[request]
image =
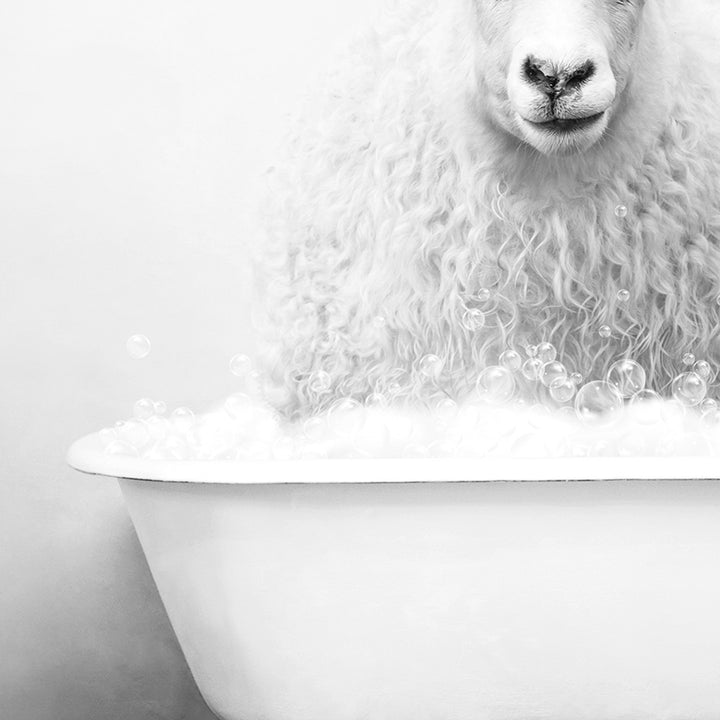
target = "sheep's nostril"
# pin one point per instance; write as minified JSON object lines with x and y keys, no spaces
{"x":584,"y":72}
{"x":553,"y":79}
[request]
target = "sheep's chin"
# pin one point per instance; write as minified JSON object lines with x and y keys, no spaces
{"x":550,"y":141}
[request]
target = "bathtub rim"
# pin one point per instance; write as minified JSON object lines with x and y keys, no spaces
{"x":88,"y":456}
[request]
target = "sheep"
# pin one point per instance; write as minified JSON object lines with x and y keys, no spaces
{"x":475,"y":176}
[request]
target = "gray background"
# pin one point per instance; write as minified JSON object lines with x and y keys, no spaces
{"x":131,"y":137}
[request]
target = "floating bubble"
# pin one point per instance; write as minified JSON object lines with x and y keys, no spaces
{"x":319,"y":382}
{"x":482,"y":295}
{"x":576,"y":378}
{"x":495,"y":385}
{"x":621,"y":211}
{"x":689,"y":389}
{"x":562,"y":390}
{"x":473,"y":319}
{"x":627,"y":377}
{"x":645,"y":406}
{"x":182,"y":418}
{"x":160,"y":407}
{"x":531,"y":368}
{"x":552,"y":371}
{"x":703,"y":369}
{"x":511,"y":360}
{"x":138,"y":346}
{"x":688,"y":359}
{"x":144,"y":409}
{"x":623,"y":295}
{"x":531,"y":350}
{"x":240,"y":365}
{"x":605,"y":331}
{"x":379,"y":322}
{"x":430,"y":366}
{"x":598,"y":403}
{"x":546,"y":352}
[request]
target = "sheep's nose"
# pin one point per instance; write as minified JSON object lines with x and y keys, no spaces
{"x":555,"y":79}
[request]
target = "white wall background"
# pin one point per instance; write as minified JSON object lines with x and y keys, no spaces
{"x":131,"y":137}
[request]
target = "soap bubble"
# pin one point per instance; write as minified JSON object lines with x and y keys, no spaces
{"x":708,"y":404}
{"x":621,"y":211}
{"x":121,"y":447}
{"x":605,"y":331}
{"x":319,"y":382}
{"x":134,"y":432}
{"x":627,"y":377}
{"x":623,"y":295}
{"x":688,"y":359}
{"x":531,"y":350}
{"x":511,"y":360}
{"x":689,"y":389}
{"x":473,"y":319}
{"x":169,"y":448}
{"x":645,"y":406}
{"x":138,"y":346}
{"x":598,"y":403}
{"x":495,"y":385}
{"x":240,"y":407}
{"x":546,"y":352}
{"x":430,"y":366}
{"x":157,"y":427}
{"x":562,"y":390}
{"x":240,"y":365}
{"x":445,"y":411}
{"x":315,"y":428}
{"x":703,"y":369}
{"x":552,"y":371}
{"x":345,"y":417}
{"x":379,"y":322}
{"x":482,"y":295}
{"x":376,"y":399}
{"x":160,"y":407}
{"x":576,"y":378}
{"x":531,"y":368}
{"x":182,"y":418}
{"x":143,"y":409}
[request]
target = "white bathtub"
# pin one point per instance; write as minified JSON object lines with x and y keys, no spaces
{"x":429,"y":590}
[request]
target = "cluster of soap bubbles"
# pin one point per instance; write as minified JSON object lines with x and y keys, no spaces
{"x":615,"y":415}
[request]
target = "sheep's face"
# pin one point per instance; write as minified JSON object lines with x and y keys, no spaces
{"x":551,"y":72}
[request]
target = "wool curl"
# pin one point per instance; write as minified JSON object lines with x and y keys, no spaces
{"x":390,"y":216}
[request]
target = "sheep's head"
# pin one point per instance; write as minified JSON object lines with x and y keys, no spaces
{"x":552,"y":72}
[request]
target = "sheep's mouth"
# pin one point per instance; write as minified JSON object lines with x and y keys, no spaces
{"x":566,"y":125}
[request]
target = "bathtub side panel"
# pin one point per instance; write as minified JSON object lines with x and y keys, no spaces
{"x":454,"y":601}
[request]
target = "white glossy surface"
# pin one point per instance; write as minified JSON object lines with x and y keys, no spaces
{"x":347,"y":600}
{"x":492,"y":601}
{"x":88,"y":456}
